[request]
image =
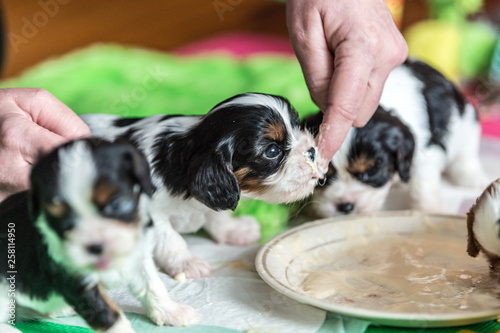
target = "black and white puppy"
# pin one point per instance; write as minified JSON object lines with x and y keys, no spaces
{"x":483,"y":226}
{"x":422,"y":129}
{"x":83,"y":226}
{"x":250,"y":145}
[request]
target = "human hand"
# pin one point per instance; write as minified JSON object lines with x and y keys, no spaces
{"x":31,"y":121}
{"x":346,"y":50}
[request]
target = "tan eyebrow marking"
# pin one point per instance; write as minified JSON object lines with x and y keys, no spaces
{"x":276,"y":132}
{"x":103,"y":191}
{"x":57,"y":208}
{"x":360,"y":164}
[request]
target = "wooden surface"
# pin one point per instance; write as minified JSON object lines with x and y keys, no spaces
{"x":39,"y":29}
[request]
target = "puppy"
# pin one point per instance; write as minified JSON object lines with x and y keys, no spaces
{"x":250,"y":145}
{"x":84,"y":225}
{"x":422,"y":129}
{"x":483,"y":226}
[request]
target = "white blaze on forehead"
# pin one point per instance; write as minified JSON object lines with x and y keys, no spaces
{"x":263,"y":100}
{"x":77,"y":175}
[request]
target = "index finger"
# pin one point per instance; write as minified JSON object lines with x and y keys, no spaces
{"x":347,"y":92}
{"x":52,"y":114}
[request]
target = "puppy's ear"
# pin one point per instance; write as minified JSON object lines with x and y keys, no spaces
{"x":140,"y":170}
{"x":34,"y":208}
{"x":312,"y":123}
{"x":212,"y":182}
{"x":404,"y":157}
{"x":400,"y":141}
{"x":15,"y":208}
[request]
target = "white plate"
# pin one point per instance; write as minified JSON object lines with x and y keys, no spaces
{"x":281,"y":263}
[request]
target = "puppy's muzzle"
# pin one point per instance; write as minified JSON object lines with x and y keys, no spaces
{"x":95,"y":249}
{"x":311,"y":156}
{"x":322,"y":181}
{"x":345,"y":207}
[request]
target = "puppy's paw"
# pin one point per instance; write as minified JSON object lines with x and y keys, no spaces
{"x":468,"y":174}
{"x":121,"y":326}
{"x":172,"y":313}
{"x":65,"y":312}
{"x":478,"y":182}
{"x":241,"y":231}
{"x":193,"y":268}
{"x":196,"y":268}
{"x":428,"y":206}
{"x":427,"y":199}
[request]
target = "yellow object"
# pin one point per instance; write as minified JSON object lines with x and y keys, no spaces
{"x":439,"y":44}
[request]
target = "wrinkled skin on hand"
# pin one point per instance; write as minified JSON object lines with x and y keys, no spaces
{"x":346,"y":50}
{"x":32,"y":121}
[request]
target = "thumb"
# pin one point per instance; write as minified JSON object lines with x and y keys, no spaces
{"x":50,"y":113}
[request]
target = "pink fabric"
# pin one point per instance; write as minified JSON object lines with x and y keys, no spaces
{"x":242,"y":44}
{"x":490,"y":115}
{"x":491,"y":124}
{"x":491,"y":128}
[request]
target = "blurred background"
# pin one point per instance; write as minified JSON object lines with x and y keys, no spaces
{"x":54,"y":27}
{"x":39,"y":29}
{"x":459,"y":37}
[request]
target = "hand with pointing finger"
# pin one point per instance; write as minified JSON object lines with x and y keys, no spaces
{"x":31,"y":121}
{"x":346,"y":50}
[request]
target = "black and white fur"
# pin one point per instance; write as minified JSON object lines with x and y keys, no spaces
{"x":422,"y":129}
{"x":250,"y":145}
{"x":483,"y":226}
{"x":83,"y":226}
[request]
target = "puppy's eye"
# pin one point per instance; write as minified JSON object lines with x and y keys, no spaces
{"x":372,"y":171}
{"x":272,"y":151}
{"x":119,"y":206}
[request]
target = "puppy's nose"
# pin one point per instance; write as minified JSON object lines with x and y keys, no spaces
{"x":311,"y":154}
{"x":345,"y":207}
{"x":95,"y":249}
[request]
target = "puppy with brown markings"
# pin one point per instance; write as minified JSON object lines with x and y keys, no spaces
{"x":84,"y":226}
{"x":250,"y":145}
{"x":424,"y":129}
{"x":483,"y":226}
